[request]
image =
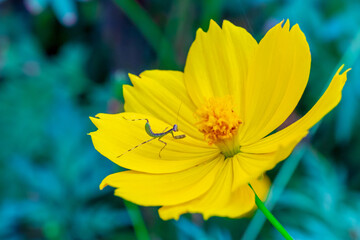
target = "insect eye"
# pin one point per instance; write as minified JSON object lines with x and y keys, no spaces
{"x":175,"y":128}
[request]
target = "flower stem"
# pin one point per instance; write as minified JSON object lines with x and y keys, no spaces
{"x":137,"y":220}
{"x":270,"y":217}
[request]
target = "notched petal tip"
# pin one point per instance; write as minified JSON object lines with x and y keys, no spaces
{"x":340,"y":69}
{"x":295,"y":27}
{"x":104,"y":183}
{"x":226,"y":23}
{"x":276,"y":27}
{"x":152,"y":73}
{"x":228,"y":26}
{"x":166,"y":216}
{"x":280,"y":24}
{"x":199,"y":33}
{"x":346,"y":71}
{"x":133,"y":78}
{"x":206,"y":216}
{"x":99,"y":119}
{"x":297,"y":33}
{"x":212,"y":22}
{"x":213,"y":25}
{"x":342,"y":77}
{"x":95,"y":120}
{"x":286,"y":25}
{"x":132,"y":75}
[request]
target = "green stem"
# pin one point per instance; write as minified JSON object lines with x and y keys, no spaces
{"x":282,"y":178}
{"x":137,"y":220}
{"x":271,"y":217}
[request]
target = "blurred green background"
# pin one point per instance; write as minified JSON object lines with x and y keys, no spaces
{"x":62,"y":61}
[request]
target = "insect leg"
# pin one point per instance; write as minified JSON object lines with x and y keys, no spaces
{"x":136,"y":146}
{"x":162,"y":147}
{"x":178,"y":136}
{"x":164,"y":129}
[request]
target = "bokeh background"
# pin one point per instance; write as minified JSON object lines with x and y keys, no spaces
{"x":62,"y":61}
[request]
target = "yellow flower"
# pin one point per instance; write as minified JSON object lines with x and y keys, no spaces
{"x":233,"y":93}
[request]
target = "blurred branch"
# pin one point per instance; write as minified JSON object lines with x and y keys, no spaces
{"x":348,"y":108}
{"x":177,"y":28}
{"x":178,"y":16}
{"x":150,"y":31}
{"x":289,"y":166}
{"x":137,"y":220}
{"x":212,"y":9}
{"x":189,"y":229}
{"x":352,"y":53}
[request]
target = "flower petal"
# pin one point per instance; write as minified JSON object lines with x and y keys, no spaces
{"x":163,"y":189}
{"x":116,"y":135}
{"x":249,"y":164}
{"x":220,"y":200}
{"x":162,"y":94}
{"x":276,"y":81}
{"x":325,"y":104}
{"x":217,"y":64}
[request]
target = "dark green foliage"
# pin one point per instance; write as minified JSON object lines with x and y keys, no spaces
{"x":325,"y":206}
{"x":50,"y":172}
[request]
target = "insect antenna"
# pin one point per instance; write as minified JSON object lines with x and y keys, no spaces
{"x":177,"y":119}
{"x":178,"y":112}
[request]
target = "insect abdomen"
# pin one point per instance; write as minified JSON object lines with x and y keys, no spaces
{"x":151,"y":133}
{"x":148,"y":130}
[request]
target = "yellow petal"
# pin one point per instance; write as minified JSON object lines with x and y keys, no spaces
{"x":261,"y":186}
{"x":325,"y":104}
{"x":161,"y":189}
{"x":249,"y":163}
{"x":220,"y":200}
{"x":276,"y":81}
{"x":162,"y":94}
{"x":217,"y":64}
{"x":115,"y":136}
{"x":255,"y":162}
{"x":248,"y":166}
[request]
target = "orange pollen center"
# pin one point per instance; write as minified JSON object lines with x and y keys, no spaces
{"x":218,"y":121}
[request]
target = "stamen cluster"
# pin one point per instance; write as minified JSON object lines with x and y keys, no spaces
{"x":218,"y":121}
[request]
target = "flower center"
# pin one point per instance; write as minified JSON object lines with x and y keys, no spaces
{"x":219,"y":123}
